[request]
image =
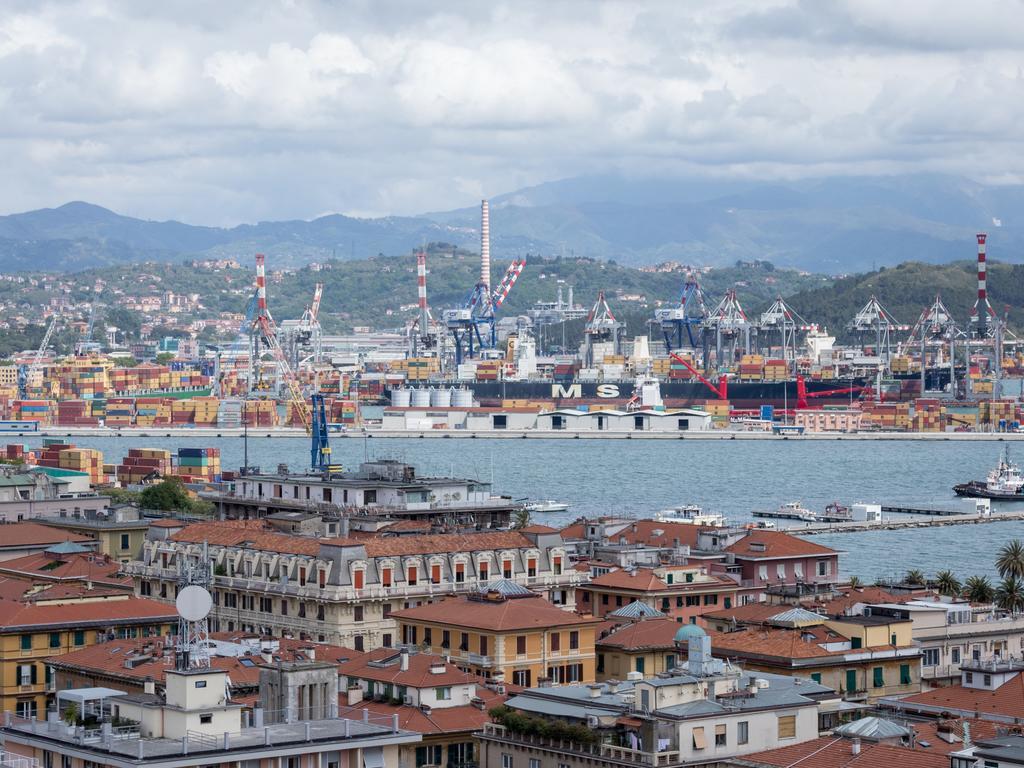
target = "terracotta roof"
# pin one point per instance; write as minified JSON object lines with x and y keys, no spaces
{"x":29,"y":534}
{"x":851,"y":597}
{"x":1007,"y":699}
{"x":418,"y":675}
{"x":167,"y":522}
{"x":538,"y":528}
{"x":832,"y":752}
{"x":89,"y":566}
{"x":108,"y":659}
{"x":652,"y":532}
{"x":929,"y":731}
{"x":642,"y":579}
{"x":494,"y":615}
{"x":650,"y":633}
{"x":407,"y":525}
{"x":15,"y":616}
{"x":775,"y":544}
{"x":783,"y":644}
{"x":462,"y":719}
{"x":227,"y":534}
{"x":751,"y":613}
{"x":436,"y":543}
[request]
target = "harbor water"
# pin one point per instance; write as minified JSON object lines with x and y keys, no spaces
{"x":639,"y":478}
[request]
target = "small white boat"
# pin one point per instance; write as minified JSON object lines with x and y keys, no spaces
{"x":693,"y":515}
{"x":546,"y":505}
{"x":793,"y":510}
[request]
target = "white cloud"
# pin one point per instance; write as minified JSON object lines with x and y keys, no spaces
{"x":218,"y":113}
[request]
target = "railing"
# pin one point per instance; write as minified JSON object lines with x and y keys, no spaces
{"x":940,"y":671}
{"x":604,"y":751}
{"x":478,"y":660}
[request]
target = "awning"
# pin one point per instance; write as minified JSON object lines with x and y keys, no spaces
{"x":698,"y":738}
{"x":630,"y":722}
{"x":81,"y":695}
{"x":373,"y":757}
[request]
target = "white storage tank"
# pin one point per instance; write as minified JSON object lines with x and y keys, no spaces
{"x":462,"y":398}
{"x":400,"y":397}
{"x":440,"y":398}
{"x":421,"y":398}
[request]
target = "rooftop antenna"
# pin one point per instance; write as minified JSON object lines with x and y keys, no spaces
{"x":194,"y":604}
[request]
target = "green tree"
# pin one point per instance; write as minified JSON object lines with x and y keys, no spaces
{"x":164,"y":357}
{"x":1010,"y":561}
{"x":855,"y":582}
{"x":914,"y":576}
{"x":948,"y":584}
{"x":979,"y":589}
{"x":169,"y":494}
{"x":1010,"y":595}
{"x":521,"y":519}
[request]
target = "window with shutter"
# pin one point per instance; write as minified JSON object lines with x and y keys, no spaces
{"x":699,"y":741}
{"x":357,"y":578}
{"x":435,"y":573}
{"x":385,"y":577}
{"x":787,"y":727}
{"x":412,"y":576}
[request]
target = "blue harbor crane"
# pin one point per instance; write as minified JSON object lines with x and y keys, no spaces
{"x":472,"y":324}
{"x":686,"y":323}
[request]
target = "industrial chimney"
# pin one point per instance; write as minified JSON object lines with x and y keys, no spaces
{"x":982,"y":294}
{"x":485,"y":244}
{"x":421,"y":289}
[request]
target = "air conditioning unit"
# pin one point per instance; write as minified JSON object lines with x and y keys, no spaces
{"x":592,"y":721}
{"x":407,"y":700}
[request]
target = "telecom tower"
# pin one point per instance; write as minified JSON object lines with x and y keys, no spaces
{"x":601,"y":328}
{"x":730,"y":323}
{"x":194,"y":604}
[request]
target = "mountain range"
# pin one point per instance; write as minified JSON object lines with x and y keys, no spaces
{"x":834,"y":225}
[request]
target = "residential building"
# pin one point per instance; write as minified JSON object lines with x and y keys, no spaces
{"x":708,"y":712}
{"x":681,"y":592}
{"x":988,"y":690}
{"x":506,"y":632}
{"x":30,"y":492}
{"x":29,"y":538}
{"x":640,"y":640}
{"x":950,"y":632}
{"x":1006,"y":751}
{"x":864,"y":658}
{"x":69,"y":563}
{"x":192,"y":725}
{"x":119,"y":531}
{"x":38,"y":623}
{"x":344,"y":591}
{"x":429,"y":695}
{"x":778,"y":563}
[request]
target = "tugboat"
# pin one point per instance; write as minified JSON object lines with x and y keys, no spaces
{"x":1004,"y":483}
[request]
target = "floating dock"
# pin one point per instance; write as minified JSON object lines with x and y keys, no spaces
{"x":932,"y":512}
{"x":935,"y":521}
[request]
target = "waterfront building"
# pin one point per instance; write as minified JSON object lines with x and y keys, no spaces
{"x":987,"y":690}
{"x":668,"y":421}
{"x":69,"y":563}
{"x":507,"y":633}
{"x":708,"y":711}
{"x":344,"y":591}
{"x":30,"y":492}
{"x":192,"y":725}
{"x":429,"y":695}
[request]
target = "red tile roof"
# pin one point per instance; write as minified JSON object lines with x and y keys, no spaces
{"x":436,"y":544}
{"x":652,"y":532}
{"x":494,"y":615}
{"x":1007,"y":699}
{"x":81,"y":566}
{"x":29,"y":534}
{"x":227,"y":534}
{"x":834,"y":752}
{"x":763,"y":545}
{"x":641,"y":579}
{"x":751,"y":613}
{"x":460,"y":719}
{"x":168,"y":522}
{"x":15,"y":616}
{"x":642,"y":635}
{"x":537,"y":528}
{"x":782,"y":644}
{"x":418,"y":675}
{"x":851,"y":597}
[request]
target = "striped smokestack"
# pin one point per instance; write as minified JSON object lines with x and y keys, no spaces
{"x":485,"y":244}
{"x":982,"y":292}
{"x":421,"y":289}
{"x":261,"y":286}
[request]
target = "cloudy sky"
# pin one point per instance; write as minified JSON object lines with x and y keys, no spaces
{"x":228,"y":112}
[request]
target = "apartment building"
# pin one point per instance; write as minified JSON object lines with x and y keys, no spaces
{"x":681,"y":592}
{"x":344,"y":591}
{"x":508,"y":633}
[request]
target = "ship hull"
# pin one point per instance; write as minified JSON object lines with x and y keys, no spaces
{"x":978,"y":490}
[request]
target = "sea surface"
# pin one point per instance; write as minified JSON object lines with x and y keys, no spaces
{"x":641,"y":477}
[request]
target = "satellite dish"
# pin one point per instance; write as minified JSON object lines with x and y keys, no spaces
{"x":193,"y":603}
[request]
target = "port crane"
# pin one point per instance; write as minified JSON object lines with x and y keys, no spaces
{"x":85,"y":344}
{"x":304,"y":333}
{"x":473,"y":325}
{"x":729,"y":323}
{"x":37,"y":358}
{"x":783,"y":321}
{"x":601,"y":327}
{"x":874,"y":318}
{"x":688,"y":317}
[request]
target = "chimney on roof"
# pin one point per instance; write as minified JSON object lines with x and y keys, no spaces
{"x":855,"y":746}
{"x":403,"y":660}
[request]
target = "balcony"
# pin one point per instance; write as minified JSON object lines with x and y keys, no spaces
{"x":607,"y":752}
{"x":479,"y":661}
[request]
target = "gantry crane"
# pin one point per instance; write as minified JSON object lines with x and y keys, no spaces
{"x":730,"y":324}
{"x":601,"y":327}
{"x":472,"y":325}
{"x":874,"y":318}
{"x":689,"y":316}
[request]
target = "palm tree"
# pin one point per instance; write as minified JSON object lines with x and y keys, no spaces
{"x":855,"y":583}
{"x":1010,"y":595}
{"x":521,"y":519}
{"x":979,"y":589}
{"x":948,"y":584}
{"x":914,"y":577}
{"x":1011,"y":560}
